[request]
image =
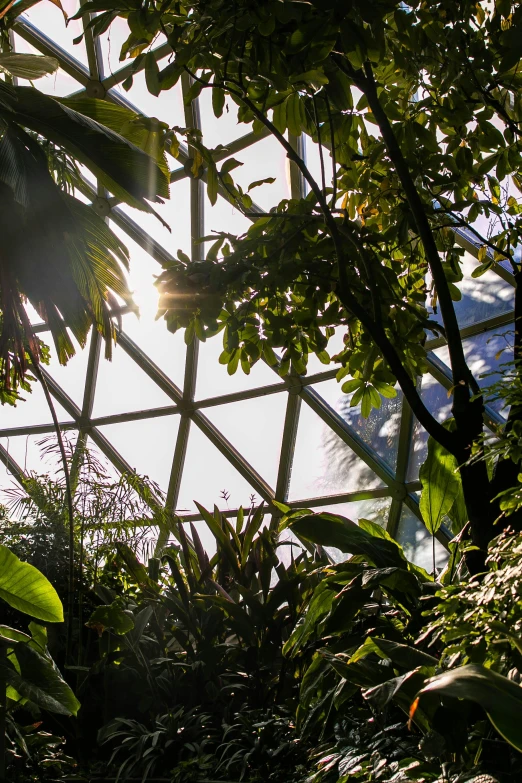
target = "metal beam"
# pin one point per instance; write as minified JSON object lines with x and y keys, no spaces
{"x":403,"y":458}
{"x":43,"y":44}
{"x":480,"y":327}
{"x":197,"y":231}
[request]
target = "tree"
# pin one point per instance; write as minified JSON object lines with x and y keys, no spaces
{"x":417,"y":104}
{"x":57,"y":253}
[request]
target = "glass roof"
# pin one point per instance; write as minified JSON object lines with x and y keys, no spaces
{"x":173,"y":413}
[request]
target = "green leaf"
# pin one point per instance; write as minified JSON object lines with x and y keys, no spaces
{"x":258,"y":182}
{"x":212,"y":183}
{"x":500,"y":697}
{"x":39,"y":681}
{"x":26,"y":589}
{"x":400,"y":654}
{"x":126,"y":171}
{"x":440,"y":485}
{"x":341,"y":533}
{"x":28,"y":66}
{"x":152,"y":77}
{"x":111,"y":616}
{"x":218,"y":101}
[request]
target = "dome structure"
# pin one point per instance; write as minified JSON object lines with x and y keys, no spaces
{"x":169,"y":410}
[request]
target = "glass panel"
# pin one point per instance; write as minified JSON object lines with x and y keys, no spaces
{"x":418,"y":544}
{"x":209,"y":478}
{"x":482,"y":298}
{"x":148,"y":446}
{"x":167,"y":107}
{"x":59,"y":83}
{"x":123,"y":387}
{"x":31,"y":409}
{"x":48,"y":18}
{"x":436,"y":399}
{"x":335,"y":345}
{"x":224,"y":130}
{"x":485,"y":354}
{"x":324,"y":464}
{"x":255,"y":428}
{"x":71,"y":377}
{"x":380,"y":430}
{"x":266,"y":159}
{"x":167,"y":350}
{"x":224,"y":216}
{"x":111,"y":42}
{"x":176,"y":214}
{"x":39,"y":453}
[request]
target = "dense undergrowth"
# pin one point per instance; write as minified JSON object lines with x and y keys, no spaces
{"x":267,"y":661}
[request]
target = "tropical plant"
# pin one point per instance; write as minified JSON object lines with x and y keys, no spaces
{"x":200,"y":638}
{"x":42,"y":142}
{"x":426,"y":651}
{"x":27,"y":672}
{"x":417,"y":107}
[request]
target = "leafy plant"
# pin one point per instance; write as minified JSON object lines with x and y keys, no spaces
{"x":407,"y":106}
{"x":27,"y":671}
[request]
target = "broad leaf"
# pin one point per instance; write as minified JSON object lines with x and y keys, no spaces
{"x":26,"y":589}
{"x":400,"y":654}
{"x":27,"y":66}
{"x":111,"y":616}
{"x":440,"y":485}
{"x":499,"y":697}
{"x":127,"y":172}
{"x":39,"y":681}
{"x":342,"y":533}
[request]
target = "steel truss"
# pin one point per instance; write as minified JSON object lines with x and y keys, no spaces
{"x":95,"y":83}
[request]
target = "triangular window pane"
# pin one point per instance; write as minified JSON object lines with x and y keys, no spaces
{"x":147,"y":446}
{"x":418,"y":543}
{"x":32,"y":409}
{"x":39,"y":453}
{"x":435,"y":398}
{"x":483,"y":297}
{"x":255,"y":428}
{"x":209,"y":478}
{"x":123,"y":387}
{"x":324,"y":464}
{"x":48,"y":18}
{"x":380,"y":430}
{"x":71,"y":377}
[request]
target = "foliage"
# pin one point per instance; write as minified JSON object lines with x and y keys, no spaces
{"x":36,"y":755}
{"x":42,"y":143}
{"x":378,"y":658}
{"x":189,"y":674}
{"x":414,"y":111}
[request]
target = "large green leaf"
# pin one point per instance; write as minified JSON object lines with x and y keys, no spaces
{"x":111,"y":616}
{"x":336,"y":531}
{"x":26,"y":589}
{"x":27,"y":66}
{"x":499,"y":697}
{"x":440,"y":485}
{"x":126,"y":171}
{"x":400,"y":654}
{"x":39,"y":681}
{"x":147,"y":133}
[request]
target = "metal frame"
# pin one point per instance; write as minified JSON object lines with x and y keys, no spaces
{"x":94,"y":82}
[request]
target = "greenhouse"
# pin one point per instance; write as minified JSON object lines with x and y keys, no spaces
{"x":261,"y":394}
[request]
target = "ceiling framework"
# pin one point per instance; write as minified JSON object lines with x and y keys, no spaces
{"x":397,"y":483}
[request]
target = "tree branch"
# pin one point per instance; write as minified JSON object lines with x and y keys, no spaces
{"x":460,"y":370}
